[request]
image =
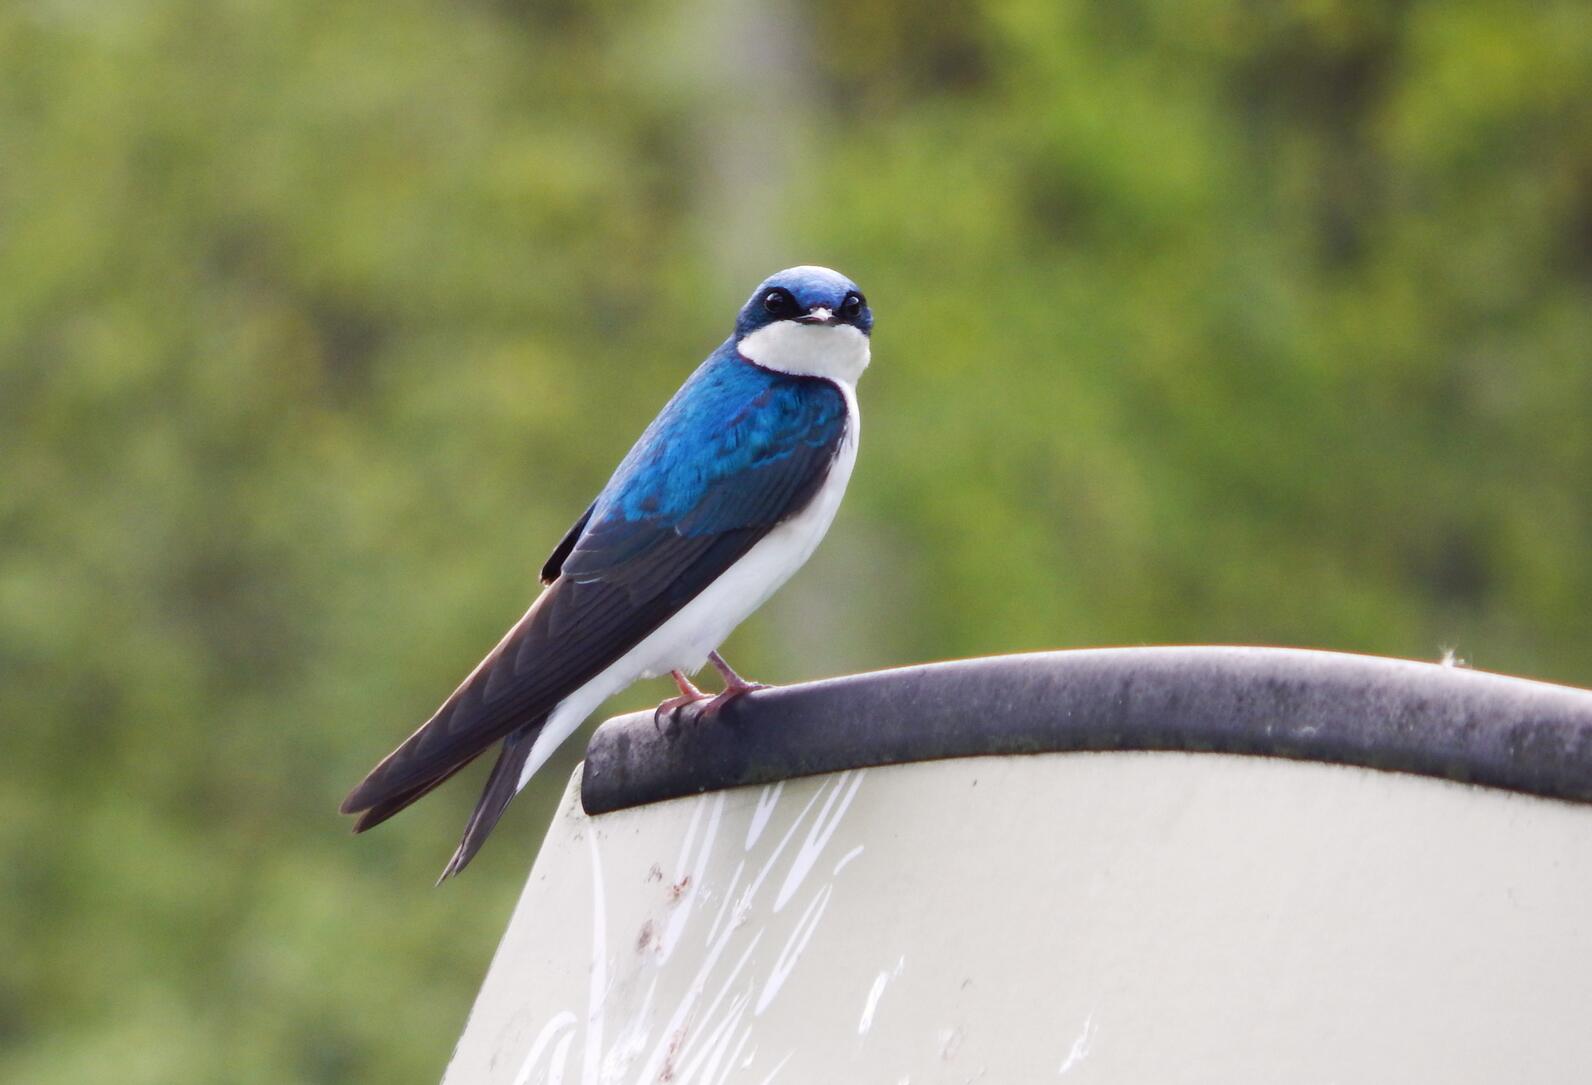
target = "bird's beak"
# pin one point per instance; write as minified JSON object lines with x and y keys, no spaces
{"x":819,"y":315}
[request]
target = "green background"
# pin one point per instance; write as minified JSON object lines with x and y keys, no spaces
{"x":1197,"y":322}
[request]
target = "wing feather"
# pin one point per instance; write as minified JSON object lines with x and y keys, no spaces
{"x":555,"y":560}
{"x":620,"y":575}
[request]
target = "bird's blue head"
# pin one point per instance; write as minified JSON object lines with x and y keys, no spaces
{"x":807,"y":295}
{"x":807,"y":320}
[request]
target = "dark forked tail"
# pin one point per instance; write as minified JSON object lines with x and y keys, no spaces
{"x":500,"y":787}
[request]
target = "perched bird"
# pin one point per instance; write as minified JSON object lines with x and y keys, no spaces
{"x":725,"y":495}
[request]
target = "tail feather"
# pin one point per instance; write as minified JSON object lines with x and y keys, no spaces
{"x":501,"y":786}
{"x":374,"y":815}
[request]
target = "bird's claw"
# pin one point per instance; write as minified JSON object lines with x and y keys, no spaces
{"x":697,"y":706}
{"x":666,"y":717}
{"x":711,"y":709}
{"x":670,"y":710}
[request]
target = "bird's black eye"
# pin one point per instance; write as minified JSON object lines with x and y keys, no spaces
{"x":851,"y":308}
{"x":779,"y":302}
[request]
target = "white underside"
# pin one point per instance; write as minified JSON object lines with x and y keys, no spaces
{"x":684,"y":640}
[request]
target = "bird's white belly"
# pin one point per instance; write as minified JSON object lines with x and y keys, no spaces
{"x":685,"y":639}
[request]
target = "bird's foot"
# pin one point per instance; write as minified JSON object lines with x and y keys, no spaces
{"x":668,"y":712}
{"x":710,"y":709}
{"x":693,"y":705}
{"x":735,"y":687}
{"x":734,"y":684}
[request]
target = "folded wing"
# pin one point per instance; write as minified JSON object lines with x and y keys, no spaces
{"x":670,"y":522}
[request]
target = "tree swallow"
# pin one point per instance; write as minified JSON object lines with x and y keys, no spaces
{"x":725,"y":495}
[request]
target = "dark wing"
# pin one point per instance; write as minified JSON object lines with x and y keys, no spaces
{"x":625,"y":575}
{"x":555,"y":560}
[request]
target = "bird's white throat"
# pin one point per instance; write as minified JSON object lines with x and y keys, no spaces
{"x":836,"y":351}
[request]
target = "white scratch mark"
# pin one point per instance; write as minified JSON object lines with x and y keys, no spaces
{"x":772,"y":1074}
{"x":744,"y":904}
{"x":1080,"y":1046}
{"x":699,"y":1045}
{"x":764,"y":810}
{"x":654,"y":1063}
{"x":710,"y":1072}
{"x":819,"y":835}
{"x":598,"y":995}
{"x":632,"y":1041}
{"x":872,"y":1003}
{"x":714,"y":1045}
{"x":555,"y":1072}
{"x":558,"y":1023}
{"x":800,"y":935}
{"x":724,"y":989}
{"x":690,"y":838}
{"x":693,"y":889}
{"x":730,"y":1064}
{"x":724,"y":901}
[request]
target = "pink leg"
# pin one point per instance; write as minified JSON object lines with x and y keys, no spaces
{"x":734,"y":686}
{"x":670,"y":709}
{"x":733,"y":683}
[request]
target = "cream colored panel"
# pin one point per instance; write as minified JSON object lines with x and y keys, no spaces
{"x":1111,"y":917}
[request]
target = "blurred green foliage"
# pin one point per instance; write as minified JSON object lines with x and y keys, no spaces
{"x":1211,"y":321}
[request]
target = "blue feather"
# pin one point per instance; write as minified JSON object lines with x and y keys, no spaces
{"x":703,"y":466}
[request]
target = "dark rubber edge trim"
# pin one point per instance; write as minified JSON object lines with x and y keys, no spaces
{"x":1389,"y":714}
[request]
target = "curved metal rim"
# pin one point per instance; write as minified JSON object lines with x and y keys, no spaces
{"x":1395,"y":715}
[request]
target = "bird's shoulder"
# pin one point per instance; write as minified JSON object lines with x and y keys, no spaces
{"x":731,"y":423}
